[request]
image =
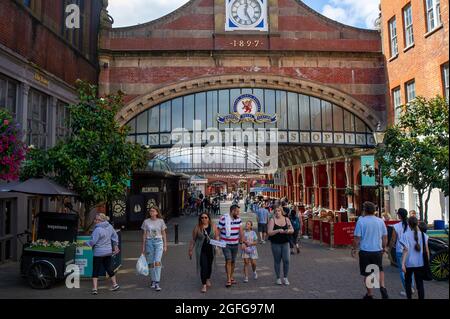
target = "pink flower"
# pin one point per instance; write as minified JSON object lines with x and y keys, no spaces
{"x":6,"y":122}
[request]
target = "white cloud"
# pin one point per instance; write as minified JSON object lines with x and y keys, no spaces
{"x":353,"y":12}
{"x":131,"y":12}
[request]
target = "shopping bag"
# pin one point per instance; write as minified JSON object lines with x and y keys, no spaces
{"x":142,"y":266}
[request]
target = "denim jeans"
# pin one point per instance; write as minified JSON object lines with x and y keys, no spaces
{"x":402,"y":274}
{"x":153,"y":253}
{"x":281,"y":252}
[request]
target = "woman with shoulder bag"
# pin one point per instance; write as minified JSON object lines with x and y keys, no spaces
{"x":203,"y":232}
{"x":279,"y":230}
{"x":415,"y":257}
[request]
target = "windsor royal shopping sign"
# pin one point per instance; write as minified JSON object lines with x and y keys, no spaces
{"x":247,"y":108}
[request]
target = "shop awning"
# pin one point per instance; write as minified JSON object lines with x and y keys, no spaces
{"x":41,"y":186}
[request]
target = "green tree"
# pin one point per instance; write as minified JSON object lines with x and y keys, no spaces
{"x":415,"y":150}
{"x":95,"y":160}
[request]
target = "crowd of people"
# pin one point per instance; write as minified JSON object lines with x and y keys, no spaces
{"x":279,"y":222}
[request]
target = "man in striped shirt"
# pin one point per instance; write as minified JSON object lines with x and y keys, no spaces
{"x":232,"y":234}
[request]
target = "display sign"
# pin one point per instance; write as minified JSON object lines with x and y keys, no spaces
{"x":326,"y":233}
{"x":368,"y":171}
{"x":316,"y":229}
{"x":84,"y":256}
{"x":150,"y":189}
{"x":344,"y":233}
{"x":247,"y":108}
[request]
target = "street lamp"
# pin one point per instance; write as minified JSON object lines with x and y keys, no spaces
{"x":378,"y":136}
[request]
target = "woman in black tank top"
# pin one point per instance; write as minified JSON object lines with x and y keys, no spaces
{"x":279,"y":230}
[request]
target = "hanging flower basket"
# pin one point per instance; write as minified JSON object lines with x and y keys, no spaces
{"x":349,"y":191}
{"x":368,"y":170}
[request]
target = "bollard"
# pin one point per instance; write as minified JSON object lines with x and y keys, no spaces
{"x":176,"y":233}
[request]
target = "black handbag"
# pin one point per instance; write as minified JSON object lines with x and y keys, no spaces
{"x":427,"y":276}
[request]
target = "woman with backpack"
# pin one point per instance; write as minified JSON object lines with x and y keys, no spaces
{"x":398,"y":230}
{"x":415,"y":250}
{"x":295,"y":221}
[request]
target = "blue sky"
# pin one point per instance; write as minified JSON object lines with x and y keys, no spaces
{"x":358,"y":13}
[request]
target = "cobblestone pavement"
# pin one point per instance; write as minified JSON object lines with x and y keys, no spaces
{"x":316,"y":273}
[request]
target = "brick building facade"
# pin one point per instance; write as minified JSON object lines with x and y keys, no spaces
{"x":416,"y":46}
{"x":189,"y":52}
{"x":40,"y":60}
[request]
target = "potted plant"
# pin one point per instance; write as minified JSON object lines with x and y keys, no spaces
{"x":349,"y":191}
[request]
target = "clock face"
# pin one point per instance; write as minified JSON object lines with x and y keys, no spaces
{"x":246,"y":12}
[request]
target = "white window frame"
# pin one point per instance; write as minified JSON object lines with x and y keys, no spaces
{"x":408,"y":85}
{"x":408,"y":25}
{"x":415,"y":200}
{"x":393,"y":36}
{"x":401,"y":197}
{"x":396,"y":102}
{"x":433,"y":14}
{"x":445,"y":80}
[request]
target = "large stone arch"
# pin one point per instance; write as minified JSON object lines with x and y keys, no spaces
{"x":302,"y":86}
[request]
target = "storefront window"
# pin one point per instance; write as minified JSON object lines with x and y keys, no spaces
{"x":211,"y":98}
{"x":177,"y":113}
{"x":269,"y":101}
{"x":142,"y":123}
{"x":8,"y":94}
{"x":349,"y":121}
{"x":316,"y":117}
{"x":305,"y":119}
{"x":62,"y":120}
{"x":327,"y":116}
{"x":224,"y":105}
{"x":37,"y":120}
{"x":165,"y":117}
{"x":296,"y":113}
{"x":282,"y":110}
{"x":338,"y":119}
{"x":189,"y":112}
{"x":153,"y":119}
{"x":293,"y":111}
{"x":200,"y":107}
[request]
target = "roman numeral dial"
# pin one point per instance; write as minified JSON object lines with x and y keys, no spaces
{"x":246,"y":12}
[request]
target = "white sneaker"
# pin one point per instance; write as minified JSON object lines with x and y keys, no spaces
{"x":278,"y":282}
{"x":245,"y":279}
{"x":157,"y":287}
{"x":286,"y":282}
{"x":153,"y":285}
{"x":402,"y":293}
{"x":413,"y":291}
{"x":255,"y":275}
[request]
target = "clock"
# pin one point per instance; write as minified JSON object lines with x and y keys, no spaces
{"x":246,"y":15}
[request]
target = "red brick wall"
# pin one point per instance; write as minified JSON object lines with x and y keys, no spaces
{"x":312,"y":32}
{"x":421,"y":62}
{"x":25,"y":34}
{"x":184,"y":45}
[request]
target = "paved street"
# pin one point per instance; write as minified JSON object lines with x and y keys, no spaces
{"x":317,"y":272}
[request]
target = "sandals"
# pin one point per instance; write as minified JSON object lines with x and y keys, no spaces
{"x":234,"y":282}
{"x":208,"y":283}
{"x":228,"y":284}
{"x":94,"y":292}
{"x":203,"y":289}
